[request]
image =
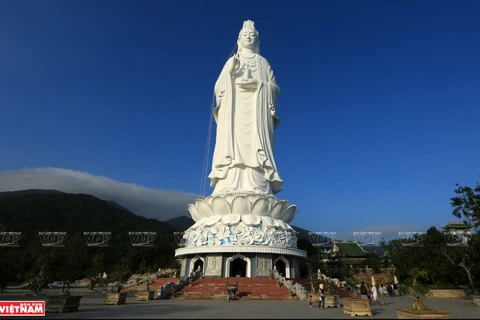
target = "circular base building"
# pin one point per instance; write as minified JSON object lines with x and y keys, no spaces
{"x":241,"y":236}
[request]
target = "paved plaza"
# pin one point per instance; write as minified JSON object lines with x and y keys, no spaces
{"x":91,"y":307}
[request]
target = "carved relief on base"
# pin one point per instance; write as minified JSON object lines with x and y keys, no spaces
{"x":184,"y":267}
{"x":214,"y":265}
{"x":240,"y":234}
{"x":264,"y":265}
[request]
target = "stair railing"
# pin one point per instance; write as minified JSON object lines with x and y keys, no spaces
{"x":165,"y":291}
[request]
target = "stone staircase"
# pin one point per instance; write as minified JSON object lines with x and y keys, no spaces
{"x":154,"y":285}
{"x":248,"y":289}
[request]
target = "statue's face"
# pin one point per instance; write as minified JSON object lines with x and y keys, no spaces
{"x":248,"y":38}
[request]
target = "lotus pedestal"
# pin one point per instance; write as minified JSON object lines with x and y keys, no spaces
{"x":251,"y":227}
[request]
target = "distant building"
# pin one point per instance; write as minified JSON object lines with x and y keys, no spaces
{"x":349,"y":252}
{"x":456,"y":233}
{"x":457,"y":226}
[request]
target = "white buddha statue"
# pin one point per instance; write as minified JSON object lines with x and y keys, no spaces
{"x":243,"y":208}
{"x":246,"y":94}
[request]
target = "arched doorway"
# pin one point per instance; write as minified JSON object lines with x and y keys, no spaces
{"x":280,"y":266}
{"x":198,"y":265}
{"x":238,"y":268}
{"x":196,"y":262}
{"x":238,"y":265}
{"x":283,"y":266}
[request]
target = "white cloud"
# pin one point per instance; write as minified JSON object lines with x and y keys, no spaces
{"x":151,"y":203}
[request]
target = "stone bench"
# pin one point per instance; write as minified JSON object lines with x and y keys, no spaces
{"x":331,"y":300}
{"x":356,"y":307}
{"x":115,"y":298}
{"x":62,"y":303}
{"x":145,"y":295}
{"x":476,"y":300}
{"x":447,"y":293}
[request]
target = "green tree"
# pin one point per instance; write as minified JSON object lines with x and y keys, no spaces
{"x":70,"y":261}
{"x":466,"y":258}
{"x":313,"y":262}
{"x":429,"y":257}
{"x":334,"y":266}
{"x":467,"y":205}
{"x":9,"y":269}
{"x":413,"y":286}
{"x":43,"y":271}
{"x":439,"y":269}
{"x":374,"y":261}
{"x":353,"y":284}
{"x":95,"y":269}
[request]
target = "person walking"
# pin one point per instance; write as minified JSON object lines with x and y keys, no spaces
{"x":369,"y":293}
{"x":390,"y":290}
{"x":381,"y":293}
{"x":321,"y":296}
{"x":374,"y":294}
{"x":363,"y":290}
{"x":310,"y":301}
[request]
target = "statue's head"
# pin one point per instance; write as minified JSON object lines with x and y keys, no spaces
{"x":248,"y":37}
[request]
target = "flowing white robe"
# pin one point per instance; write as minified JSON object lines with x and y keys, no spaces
{"x":374,"y":293}
{"x":243,"y":159}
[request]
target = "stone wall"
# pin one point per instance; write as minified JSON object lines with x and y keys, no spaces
{"x":450,"y":293}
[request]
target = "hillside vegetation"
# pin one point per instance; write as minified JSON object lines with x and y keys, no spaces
{"x":34,"y":211}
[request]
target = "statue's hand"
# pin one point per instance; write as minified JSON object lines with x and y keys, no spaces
{"x":235,"y":64}
{"x":248,"y":84}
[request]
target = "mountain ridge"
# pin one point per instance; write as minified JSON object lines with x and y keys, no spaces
{"x":33,"y":211}
{"x":180,"y":223}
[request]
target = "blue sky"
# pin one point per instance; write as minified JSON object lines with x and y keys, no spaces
{"x":378,"y":106}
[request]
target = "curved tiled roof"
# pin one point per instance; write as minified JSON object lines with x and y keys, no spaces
{"x":351,"y":249}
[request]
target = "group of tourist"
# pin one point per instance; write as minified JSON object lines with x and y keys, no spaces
{"x":374,"y":293}
{"x":377,"y":293}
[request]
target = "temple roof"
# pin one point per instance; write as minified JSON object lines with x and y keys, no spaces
{"x":351,"y":249}
{"x":455,"y":225}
